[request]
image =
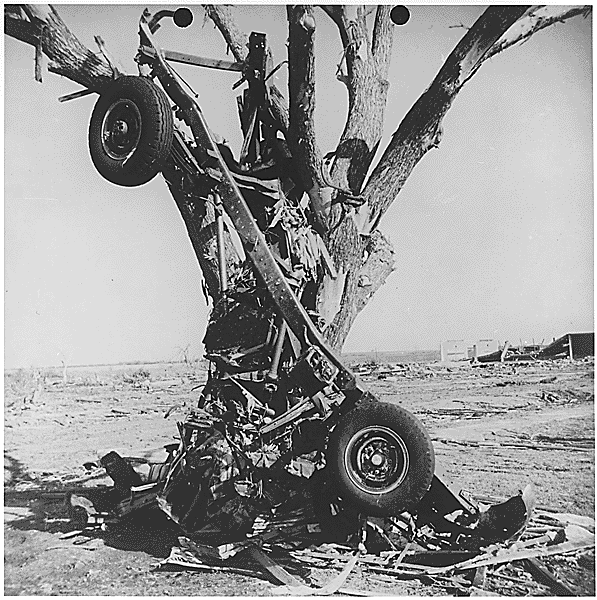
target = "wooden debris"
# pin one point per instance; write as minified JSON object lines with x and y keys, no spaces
{"x":517,"y":580}
{"x":448,"y":569}
{"x":294,"y":586}
{"x":140,"y":496}
{"x":74,"y":96}
{"x":550,"y":533}
{"x":39,"y":57}
{"x":335,"y":584}
{"x":71,"y":534}
{"x":509,"y":556}
{"x":185,"y":558}
{"x":278,"y":572}
{"x":529,"y":445}
{"x":479,"y":577}
{"x":476,"y":591}
{"x":404,"y":552}
{"x":543,"y":575}
{"x":69,"y":547}
{"x":587,"y":523}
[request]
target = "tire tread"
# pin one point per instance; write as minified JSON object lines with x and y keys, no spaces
{"x":156,"y":135}
{"x":422,"y":458}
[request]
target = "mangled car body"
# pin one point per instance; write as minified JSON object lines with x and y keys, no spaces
{"x":279,"y":403}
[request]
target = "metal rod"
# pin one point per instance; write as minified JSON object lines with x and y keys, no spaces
{"x":221,"y":248}
{"x":153,"y":24}
{"x":76,"y":95}
{"x":273,"y":371}
{"x":192,"y":59}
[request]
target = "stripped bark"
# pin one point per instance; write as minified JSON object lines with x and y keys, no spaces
{"x":375,"y":265}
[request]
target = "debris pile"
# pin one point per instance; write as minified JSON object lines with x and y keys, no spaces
{"x":570,"y":345}
{"x":395,"y":371}
{"x":289,"y":535}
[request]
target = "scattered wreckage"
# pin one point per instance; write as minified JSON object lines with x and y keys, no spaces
{"x":283,"y":433}
{"x":572,"y":345}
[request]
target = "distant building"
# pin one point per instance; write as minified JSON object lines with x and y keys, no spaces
{"x":571,"y":345}
{"x":481,"y":347}
{"x":453,"y":350}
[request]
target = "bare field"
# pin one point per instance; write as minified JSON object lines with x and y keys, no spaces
{"x":495,"y":429}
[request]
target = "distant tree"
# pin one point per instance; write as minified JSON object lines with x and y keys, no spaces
{"x":184,"y":354}
{"x":348,"y":195}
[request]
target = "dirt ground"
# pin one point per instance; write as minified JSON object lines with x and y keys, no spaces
{"x":494,"y":429}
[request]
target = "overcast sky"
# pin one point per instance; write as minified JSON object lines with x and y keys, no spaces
{"x":493,"y":231}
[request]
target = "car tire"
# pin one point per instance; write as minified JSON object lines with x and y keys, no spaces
{"x":131,"y":130}
{"x":381,"y":459}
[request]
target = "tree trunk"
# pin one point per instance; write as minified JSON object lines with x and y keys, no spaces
{"x":418,"y":132}
{"x":367,"y":63}
{"x":198,"y":212}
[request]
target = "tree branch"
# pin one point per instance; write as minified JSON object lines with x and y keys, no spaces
{"x":497,"y":29}
{"x":237,"y":40}
{"x":363,"y":262}
{"x":76,"y":62}
{"x":336,"y":12}
{"x":199,"y":216}
{"x":367,"y":65}
{"x":421,"y":128}
{"x":537,"y":18}
{"x":360,"y":286}
{"x":70,"y":57}
{"x":301,"y":91}
{"x":459,"y":26}
{"x":381,"y":47}
{"x":301,"y":84}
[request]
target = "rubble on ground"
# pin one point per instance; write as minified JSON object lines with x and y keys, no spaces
{"x":547,"y":558}
{"x":283,"y":533}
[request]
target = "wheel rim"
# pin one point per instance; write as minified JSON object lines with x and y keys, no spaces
{"x":121,"y":129}
{"x":376,"y":460}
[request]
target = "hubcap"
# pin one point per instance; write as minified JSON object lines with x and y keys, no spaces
{"x":376,"y":460}
{"x":121,"y":129}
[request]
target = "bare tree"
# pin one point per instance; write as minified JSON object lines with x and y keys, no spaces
{"x":348,"y":194}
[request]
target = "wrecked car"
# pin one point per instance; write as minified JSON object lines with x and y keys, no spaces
{"x":279,"y":403}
